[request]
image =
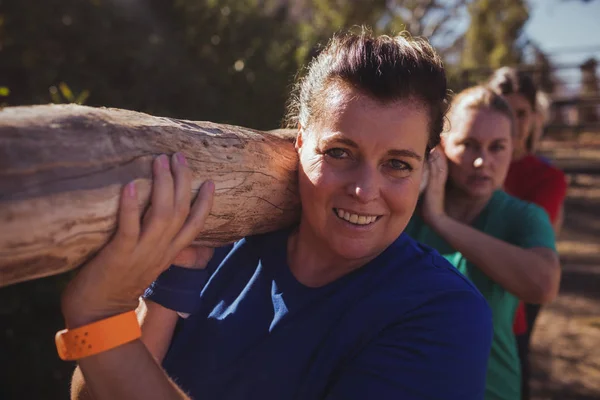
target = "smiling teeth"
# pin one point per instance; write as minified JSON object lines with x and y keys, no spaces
{"x":355,"y":218}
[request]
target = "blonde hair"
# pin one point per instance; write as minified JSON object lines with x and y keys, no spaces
{"x":543,"y":103}
{"x":481,"y":97}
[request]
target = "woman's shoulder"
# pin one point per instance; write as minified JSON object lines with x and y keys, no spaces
{"x":549,"y":170}
{"x":509,"y":207}
{"x":421,"y":271}
{"x":520,"y":222}
{"x":540,"y":169}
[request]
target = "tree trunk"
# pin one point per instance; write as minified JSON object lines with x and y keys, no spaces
{"x":62,"y":168}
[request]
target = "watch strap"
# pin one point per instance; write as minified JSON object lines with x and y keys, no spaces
{"x":97,"y":337}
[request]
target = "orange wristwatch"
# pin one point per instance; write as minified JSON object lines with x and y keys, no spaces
{"x":99,"y":336}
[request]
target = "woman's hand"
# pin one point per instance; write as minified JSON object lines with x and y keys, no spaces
{"x":112,"y":282}
{"x":432,"y":208}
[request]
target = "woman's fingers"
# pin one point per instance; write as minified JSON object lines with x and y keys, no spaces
{"x":195,"y":221}
{"x":437,"y":164}
{"x":161,"y":203}
{"x":432,"y":167}
{"x":128,"y":229}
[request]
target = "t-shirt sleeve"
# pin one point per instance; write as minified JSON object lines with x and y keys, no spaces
{"x":439,"y":352}
{"x":179,"y":288}
{"x":533,"y":229}
{"x":550,"y":192}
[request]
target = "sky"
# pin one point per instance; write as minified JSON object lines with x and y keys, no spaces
{"x":568,"y":30}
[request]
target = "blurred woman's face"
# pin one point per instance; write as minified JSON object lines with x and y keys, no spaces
{"x":524,"y":116}
{"x":478,"y":148}
{"x":360,"y":170}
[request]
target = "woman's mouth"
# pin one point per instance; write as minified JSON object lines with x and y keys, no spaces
{"x":353,"y":218}
{"x":479,"y":179}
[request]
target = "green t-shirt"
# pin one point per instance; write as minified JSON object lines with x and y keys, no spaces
{"x":521,"y":224}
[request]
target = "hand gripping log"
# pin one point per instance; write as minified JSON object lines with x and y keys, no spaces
{"x":62,"y":168}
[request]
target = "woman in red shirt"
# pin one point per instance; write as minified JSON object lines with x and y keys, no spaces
{"x":529,"y":178}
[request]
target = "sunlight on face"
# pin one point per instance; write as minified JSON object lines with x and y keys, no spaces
{"x":478,"y":149}
{"x":360,"y":170}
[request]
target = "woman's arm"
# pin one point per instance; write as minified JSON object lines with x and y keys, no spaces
{"x":533,"y":275}
{"x":558,"y":222}
{"x":126,"y":372}
{"x":158,"y":324}
{"x":112,"y":282}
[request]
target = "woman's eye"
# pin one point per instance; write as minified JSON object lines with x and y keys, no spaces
{"x":521,"y":114}
{"x":337,"y":153}
{"x":497,"y":148}
{"x":399,"y":165}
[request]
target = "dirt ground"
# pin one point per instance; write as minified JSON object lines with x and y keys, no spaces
{"x":566,"y":341}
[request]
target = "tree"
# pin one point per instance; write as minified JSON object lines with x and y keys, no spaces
{"x":432,"y":19}
{"x":492,"y":39}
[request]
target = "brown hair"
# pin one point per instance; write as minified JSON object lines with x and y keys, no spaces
{"x":385,"y":68}
{"x":508,"y":80}
{"x":478,"y":97}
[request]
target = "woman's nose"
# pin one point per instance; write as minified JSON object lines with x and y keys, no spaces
{"x":365,"y":187}
{"x":481,"y":158}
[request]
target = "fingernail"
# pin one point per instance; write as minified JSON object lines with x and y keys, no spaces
{"x":180,"y":158}
{"x":131,"y":189}
{"x":164,"y":161}
{"x":211,"y":186}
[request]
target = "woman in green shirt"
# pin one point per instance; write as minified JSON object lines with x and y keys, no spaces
{"x":503,"y":245}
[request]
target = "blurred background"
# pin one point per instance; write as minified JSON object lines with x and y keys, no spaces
{"x":234,"y":62}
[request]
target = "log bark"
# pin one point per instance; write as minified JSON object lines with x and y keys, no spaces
{"x":62,"y":168}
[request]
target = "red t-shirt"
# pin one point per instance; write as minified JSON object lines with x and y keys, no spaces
{"x":534,"y":180}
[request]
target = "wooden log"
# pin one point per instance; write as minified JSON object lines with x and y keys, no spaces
{"x":62,"y":168}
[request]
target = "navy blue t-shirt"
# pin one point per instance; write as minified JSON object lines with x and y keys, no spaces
{"x":405,"y":326}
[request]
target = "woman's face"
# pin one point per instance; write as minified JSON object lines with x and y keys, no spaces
{"x":360,"y":170}
{"x":478,"y":148}
{"x":524,"y":116}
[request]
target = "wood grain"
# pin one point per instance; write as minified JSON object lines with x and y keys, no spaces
{"x":62,"y":168}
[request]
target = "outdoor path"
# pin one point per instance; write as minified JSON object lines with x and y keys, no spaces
{"x":566,"y":341}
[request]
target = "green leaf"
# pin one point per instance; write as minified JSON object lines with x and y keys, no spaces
{"x":4,"y":91}
{"x":54,"y":96}
{"x":83,"y":96}
{"x":66,"y":92}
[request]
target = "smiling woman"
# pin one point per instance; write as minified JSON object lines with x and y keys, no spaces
{"x":361,"y":163}
{"x":341,"y":306}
